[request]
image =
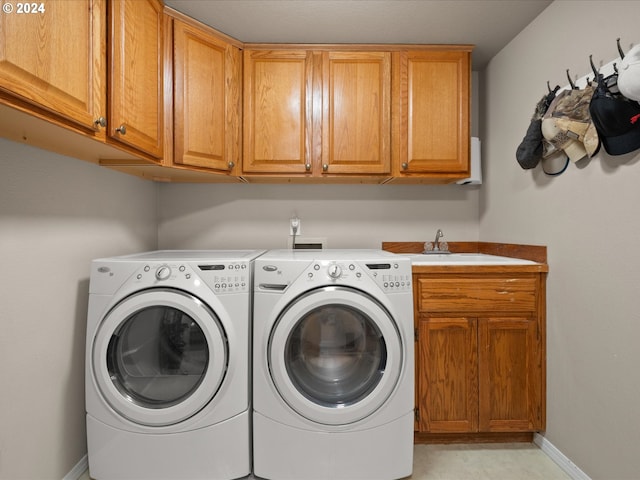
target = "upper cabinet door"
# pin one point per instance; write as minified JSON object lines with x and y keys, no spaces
{"x":431,"y":113}
{"x":54,"y":58}
{"x":356,"y":121}
{"x":136,"y":76}
{"x":207,"y":99}
{"x":278,"y":111}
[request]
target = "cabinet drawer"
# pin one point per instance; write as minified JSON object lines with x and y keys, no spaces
{"x":476,"y":294}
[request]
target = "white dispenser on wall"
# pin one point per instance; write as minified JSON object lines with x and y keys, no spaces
{"x":476,"y":166}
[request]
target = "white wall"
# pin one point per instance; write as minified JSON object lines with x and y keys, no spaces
{"x":56,"y":214}
{"x":588,"y":217}
{"x":348,"y":216}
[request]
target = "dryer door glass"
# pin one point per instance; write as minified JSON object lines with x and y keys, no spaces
{"x":335,"y":355}
{"x":158,"y":356}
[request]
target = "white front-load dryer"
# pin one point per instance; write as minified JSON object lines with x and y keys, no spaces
{"x":168,"y":365}
{"x":333,"y":371}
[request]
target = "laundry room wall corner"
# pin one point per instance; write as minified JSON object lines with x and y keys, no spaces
{"x":56,"y":215}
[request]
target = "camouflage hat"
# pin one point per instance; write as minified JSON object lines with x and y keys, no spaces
{"x":568,"y":126}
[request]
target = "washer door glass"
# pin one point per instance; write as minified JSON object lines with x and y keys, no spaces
{"x":159,"y":356}
{"x":335,"y":355}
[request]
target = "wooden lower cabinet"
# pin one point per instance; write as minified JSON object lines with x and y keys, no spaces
{"x":479,"y":353}
{"x":510,"y":375}
{"x":447,"y":383}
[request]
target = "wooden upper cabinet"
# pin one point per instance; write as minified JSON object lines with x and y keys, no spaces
{"x":278,"y":95}
{"x":207,"y":76}
{"x":431,"y":114}
{"x":317,"y":113}
{"x":356,"y":120}
{"x":136,"y":75}
{"x":54,"y":58}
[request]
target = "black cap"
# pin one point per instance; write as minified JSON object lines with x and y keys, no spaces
{"x":529,"y":151}
{"x":617,"y":121}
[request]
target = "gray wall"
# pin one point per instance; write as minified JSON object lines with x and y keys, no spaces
{"x":348,"y":216}
{"x":588,"y":217}
{"x":56,"y":214}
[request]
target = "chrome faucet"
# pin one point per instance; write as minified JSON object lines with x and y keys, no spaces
{"x":437,"y":246}
{"x":436,"y":242}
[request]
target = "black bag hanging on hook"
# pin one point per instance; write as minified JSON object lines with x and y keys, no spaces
{"x":531,"y":149}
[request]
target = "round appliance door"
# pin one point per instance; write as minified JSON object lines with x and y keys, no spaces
{"x":159,"y":356}
{"x":335,"y":355}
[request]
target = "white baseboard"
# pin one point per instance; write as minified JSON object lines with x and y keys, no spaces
{"x":557,"y":456}
{"x":77,"y":471}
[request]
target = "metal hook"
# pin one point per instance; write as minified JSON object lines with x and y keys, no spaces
{"x":593,"y":67}
{"x":620,"y":49}
{"x":548,"y":86}
{"x":573,"y":85}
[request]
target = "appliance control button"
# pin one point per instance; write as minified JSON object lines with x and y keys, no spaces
{"x":163,"y":272}
{"x":335,"y":271}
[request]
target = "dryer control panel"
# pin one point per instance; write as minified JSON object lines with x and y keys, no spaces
{"x":389,"y":276}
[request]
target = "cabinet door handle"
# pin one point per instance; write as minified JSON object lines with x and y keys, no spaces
{"x":307,"y":166}
{"x":100,"y":122}
{"x":405,"y":165}
{"x":231,"y":165}
{"x":121,"y":129}
{"x":325,"y":167}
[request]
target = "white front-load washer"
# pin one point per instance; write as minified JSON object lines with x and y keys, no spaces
{"x":333,"y":371}
{"x":168,"y":365}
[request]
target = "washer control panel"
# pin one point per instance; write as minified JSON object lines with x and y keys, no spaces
{"x":391,"y":277}
{"x":229,"y":277}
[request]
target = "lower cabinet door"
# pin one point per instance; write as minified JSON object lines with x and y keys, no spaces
{"x":448,"y":376}
{"x":510,"y":374}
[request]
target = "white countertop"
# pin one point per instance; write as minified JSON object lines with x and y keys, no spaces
{"x":463,"y":259}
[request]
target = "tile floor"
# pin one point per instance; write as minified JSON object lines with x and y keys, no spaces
{"x":499,"y":461}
